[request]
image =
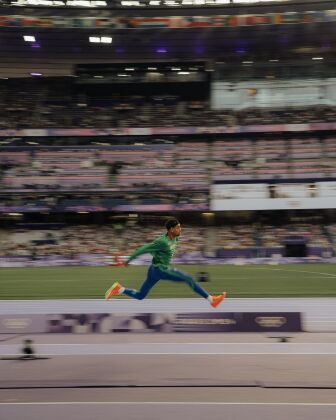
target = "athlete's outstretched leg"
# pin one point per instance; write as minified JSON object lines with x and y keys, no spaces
{"x":150,"y":281}
{"x":180,"y":276}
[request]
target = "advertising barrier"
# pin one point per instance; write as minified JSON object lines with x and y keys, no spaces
{"x":105,"y":323}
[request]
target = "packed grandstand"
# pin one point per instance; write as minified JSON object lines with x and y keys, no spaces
{"x":191,"y":165}
{"x":40,"y":106}
{"x":113,"y":124}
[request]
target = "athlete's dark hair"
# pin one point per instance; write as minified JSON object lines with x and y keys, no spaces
{"x":171,"y":223}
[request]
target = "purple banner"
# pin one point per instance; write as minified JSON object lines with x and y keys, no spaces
{"x":238,"y":322}
{"x":105,"y":323}
{"x":206,"y":322}
{"x":270,"y":322}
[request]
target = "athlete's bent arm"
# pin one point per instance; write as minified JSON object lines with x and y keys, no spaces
{"x":150,"y":248}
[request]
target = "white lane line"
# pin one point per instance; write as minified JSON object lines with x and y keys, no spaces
{"x":182,"y":343}
{"x":167,"y":403}
{"x":293,"y":271}
{"x":177,"y":354}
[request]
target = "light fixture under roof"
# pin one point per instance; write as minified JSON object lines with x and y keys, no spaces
{"x":29,"y":38}
{"x":94,"y":39}
{"x":152,"y":68}
{"x":106,"y":39}
{"x":36,"y":74}
{"x":58,"y":3}
{"x":100,"y":39}
{"x":130,"y":3}
{"x":317,"y":58}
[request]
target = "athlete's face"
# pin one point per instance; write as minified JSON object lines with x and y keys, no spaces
{"x":176,"y":230}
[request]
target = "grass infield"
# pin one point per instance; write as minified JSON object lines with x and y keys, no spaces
{"x":296,"y":280}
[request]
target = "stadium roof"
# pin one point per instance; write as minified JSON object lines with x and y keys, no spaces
{"x":57,"y":49}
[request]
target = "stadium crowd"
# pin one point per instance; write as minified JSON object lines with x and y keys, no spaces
{"x":45,"y":106}
{"x":123,"y":238}
{"x":129,"y":166}
{"x":273,"y":236}
{"x":189,"y":165}
{"x":91,"y":239}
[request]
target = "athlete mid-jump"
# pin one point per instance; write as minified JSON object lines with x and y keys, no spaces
{"x":162,"y":249}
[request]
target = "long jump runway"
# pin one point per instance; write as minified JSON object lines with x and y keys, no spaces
{"x":164,"y":376}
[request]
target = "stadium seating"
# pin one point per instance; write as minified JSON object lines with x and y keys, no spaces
{"x":47,"y":103}
{"x":181,"y":165}
{"x":224,"y":241}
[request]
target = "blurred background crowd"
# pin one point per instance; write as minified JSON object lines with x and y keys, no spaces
{"x":226,"y":240}
{"x":169,"y":166}
{"x":26,"y":106}
{"x":222,"y":118}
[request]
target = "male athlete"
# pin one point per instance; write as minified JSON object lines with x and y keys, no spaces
{"x":162,"y":249}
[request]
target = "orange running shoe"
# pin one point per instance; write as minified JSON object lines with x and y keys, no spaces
{"x":113,"y":290}
{"x":216,"y":300}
